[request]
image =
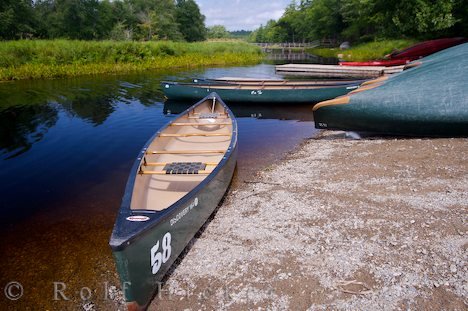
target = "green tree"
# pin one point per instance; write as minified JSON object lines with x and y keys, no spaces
{"x":16,"y":19}
{"x":217,"y":32}
{"x":191,"y":21}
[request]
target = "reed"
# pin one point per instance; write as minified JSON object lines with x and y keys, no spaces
{"x":366,"y":51}
{"x":31,"y":59}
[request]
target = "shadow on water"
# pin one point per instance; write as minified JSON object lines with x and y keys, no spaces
{"x":253,"y":110}
{"x":66,"y":148}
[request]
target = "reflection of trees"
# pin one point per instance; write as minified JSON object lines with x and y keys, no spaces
{"x":94,"y":110}
{"x":21,"y":127}
{"x":29,"y":108}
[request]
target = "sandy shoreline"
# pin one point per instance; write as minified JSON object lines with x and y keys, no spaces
{"x":339,"y":224}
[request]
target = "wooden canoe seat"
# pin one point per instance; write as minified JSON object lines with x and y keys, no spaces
{"x":145,"y":163}
{"x":180,"y":168}
{"x":184,"y":167}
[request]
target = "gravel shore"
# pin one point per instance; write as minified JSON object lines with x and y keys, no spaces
{"x":370,"y":224}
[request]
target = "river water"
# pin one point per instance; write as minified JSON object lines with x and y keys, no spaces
{"x":66,"y":148}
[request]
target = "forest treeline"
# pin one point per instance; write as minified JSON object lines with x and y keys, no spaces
{"x":365,"y":20}
{"x":178,"y":20}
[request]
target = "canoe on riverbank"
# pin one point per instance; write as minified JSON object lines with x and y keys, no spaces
{"x":382,"y":62}
{"x":175,"y":184}
{"x":336,"y":71}
{"x":258,"y":93}
{"x":428,"y":100}
{"x":426,"y":48}
{"x":277,"y":82}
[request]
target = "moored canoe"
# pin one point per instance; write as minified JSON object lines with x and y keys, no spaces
{"x":175,"y":184}
{"x":382,"y":62}
{"x":336,"y":71}
{"x":278,"y":82}
{"x":425,"y":48}
{"x":257,"y":93}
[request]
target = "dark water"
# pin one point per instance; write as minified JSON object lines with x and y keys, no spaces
{"x":66,"y":147}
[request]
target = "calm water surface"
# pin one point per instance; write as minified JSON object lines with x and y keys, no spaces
{"x":66,"y":148}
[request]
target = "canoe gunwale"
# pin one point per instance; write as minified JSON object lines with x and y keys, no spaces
{"x":120,"y":238}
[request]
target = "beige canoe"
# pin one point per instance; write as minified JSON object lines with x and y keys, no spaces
{"x":182,"y":155}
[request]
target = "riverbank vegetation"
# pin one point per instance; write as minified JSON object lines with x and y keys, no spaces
{"x":28,"y":59}
{"x":79,"y":37}
{"x":146,"y":20}
{"x":363,"y":21}
{"x":364,"y":51}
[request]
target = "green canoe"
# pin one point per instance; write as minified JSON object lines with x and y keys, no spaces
{"x":175,"y":184}
{"x":427,"y":100}
{"x":257,"y":93}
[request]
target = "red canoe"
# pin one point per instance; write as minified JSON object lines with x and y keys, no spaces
{"x":425,"y":48}
{"x":383,"y":62}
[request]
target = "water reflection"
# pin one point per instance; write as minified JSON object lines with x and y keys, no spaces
{"x":29,"y":108}
{"x":253,"y":110}
{"x":66,"y":148}
{"x":22,"y":126}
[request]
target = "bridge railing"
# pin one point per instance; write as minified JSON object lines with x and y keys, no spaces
{"x":326,"y":43}
{"x":289,"y":44}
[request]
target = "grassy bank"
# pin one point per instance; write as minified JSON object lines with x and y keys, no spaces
{"x":31,"y":59}
{"x":365,"y":51}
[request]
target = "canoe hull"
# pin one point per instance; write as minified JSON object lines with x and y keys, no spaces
{"x":134,"y":262}
{"x":385,"y":63}
{"x":146,"y":242}
{"x":175,"y":91}
{"x":428,"y":100}
{"x":427,"y":47}
{"x":389,"y":122}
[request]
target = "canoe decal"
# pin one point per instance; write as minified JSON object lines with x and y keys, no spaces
{"x":137,"y":218}
{"x":184,"y":212}
{"x":160,"y":257}
{"x":259,"y":92}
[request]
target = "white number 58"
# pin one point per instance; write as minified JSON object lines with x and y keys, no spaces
{"x":157,"y":257}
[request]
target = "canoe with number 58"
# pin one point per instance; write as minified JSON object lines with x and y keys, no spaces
{"x":175,"y":184}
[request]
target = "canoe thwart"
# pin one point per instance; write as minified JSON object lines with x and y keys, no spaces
{"x":199,"y":123}
{"x":166,"y":173}
{"x":179,"y":168}
{"x":223,"y":117}
{"x":146,"y":163}
{"x":185,"y":151}
{"x":194,"y":134}
{"x":209,"y":115}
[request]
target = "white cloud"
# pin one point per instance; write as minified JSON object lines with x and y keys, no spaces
{"x":241,"y":14}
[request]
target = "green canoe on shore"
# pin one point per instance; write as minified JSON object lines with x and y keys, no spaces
{"x":258,"y":93}
{"x":427,"y":100}
{"x":176,"y":182}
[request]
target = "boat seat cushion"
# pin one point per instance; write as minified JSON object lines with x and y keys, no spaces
{"x":184,"y":167}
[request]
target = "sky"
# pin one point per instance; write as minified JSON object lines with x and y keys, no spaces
{"x":241,"y":14}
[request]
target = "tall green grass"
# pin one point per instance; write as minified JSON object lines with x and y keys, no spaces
{"x":366,"y":51}
{"x":30,"y":59}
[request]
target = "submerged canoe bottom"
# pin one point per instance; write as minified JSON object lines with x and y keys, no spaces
{"x":144,"y":261}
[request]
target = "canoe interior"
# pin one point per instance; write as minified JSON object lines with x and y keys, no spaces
{"x":201,"y":135}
